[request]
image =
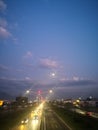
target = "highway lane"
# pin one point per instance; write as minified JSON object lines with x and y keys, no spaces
{"x":50,"y":121}
{"x":47,"y":120}
{"x":32,"y":124}
{"x":80,"y":111}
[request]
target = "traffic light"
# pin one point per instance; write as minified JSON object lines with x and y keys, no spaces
{"x":39,"y":92}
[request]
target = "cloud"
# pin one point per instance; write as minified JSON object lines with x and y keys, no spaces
{"x":75,"y":78}
{"x":3,"y":6}
{"x":3,"y":68}
{"x":47,"y":63}
{"x":4,"y":26}
{"x":15,"y":40}
{"x":4,"y":33}
{"x":64,"y":88}
{"x":15,"y":86}
{"x":28,"y":55}
{"x":28,"y":78}
{"x":3,"y":22}
{"x":75,"y":82}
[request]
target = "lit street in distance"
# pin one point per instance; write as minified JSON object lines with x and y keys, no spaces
{"x":33,"y":123}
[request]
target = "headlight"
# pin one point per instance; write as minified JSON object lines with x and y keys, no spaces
{"x":22,"y":121}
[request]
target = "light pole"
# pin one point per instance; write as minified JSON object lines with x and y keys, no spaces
{"x":39,"y":94}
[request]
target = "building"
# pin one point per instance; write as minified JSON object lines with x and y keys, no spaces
{"x":21,"y":100}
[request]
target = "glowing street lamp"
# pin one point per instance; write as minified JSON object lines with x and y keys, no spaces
{"x":50,"y":91}
{"x":27,"y":91}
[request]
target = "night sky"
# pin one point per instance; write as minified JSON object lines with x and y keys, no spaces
{"x":49,"y":44}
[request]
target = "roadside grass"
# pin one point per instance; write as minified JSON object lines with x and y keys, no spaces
{"x":77,"y":121}
{"x":9,"y":120}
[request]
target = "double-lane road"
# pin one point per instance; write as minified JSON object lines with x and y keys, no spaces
{"x":51,"y":121}
{"x":48,"y":120}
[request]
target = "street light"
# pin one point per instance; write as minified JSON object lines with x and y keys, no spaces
{"x":27,"y":91}
{"x":50,"y":91}
{"x":39,"y":92}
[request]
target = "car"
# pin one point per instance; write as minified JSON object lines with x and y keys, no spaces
{"x":88,"y":113}
{"x":24,"y":121}
{"x":35,"y":117}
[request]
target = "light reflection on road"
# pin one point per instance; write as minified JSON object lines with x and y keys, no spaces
{"x":33,"y":124}
{"x":22,"y":127}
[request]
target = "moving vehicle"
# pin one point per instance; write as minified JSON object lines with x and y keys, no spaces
{"x":35,"y":117}
{"x":24,"y":121}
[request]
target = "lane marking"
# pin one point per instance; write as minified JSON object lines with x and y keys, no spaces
{"x":44,"y":123}
{"x":62,"y":120}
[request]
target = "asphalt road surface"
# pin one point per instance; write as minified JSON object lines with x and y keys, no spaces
{"x":47,"y":120}
{"x":51,"y":121}
{"x":33,"y":123}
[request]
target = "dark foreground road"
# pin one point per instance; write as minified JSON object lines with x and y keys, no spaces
{"x":51,"y":121}
{"x":48,"y":120}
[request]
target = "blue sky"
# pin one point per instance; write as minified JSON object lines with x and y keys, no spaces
{"x":41,"y":37}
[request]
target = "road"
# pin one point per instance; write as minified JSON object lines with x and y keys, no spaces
{"x":80,"y":111}
{"x":48,"y":120}
{"x":51,"y":121}
{"x":32,"y":124}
